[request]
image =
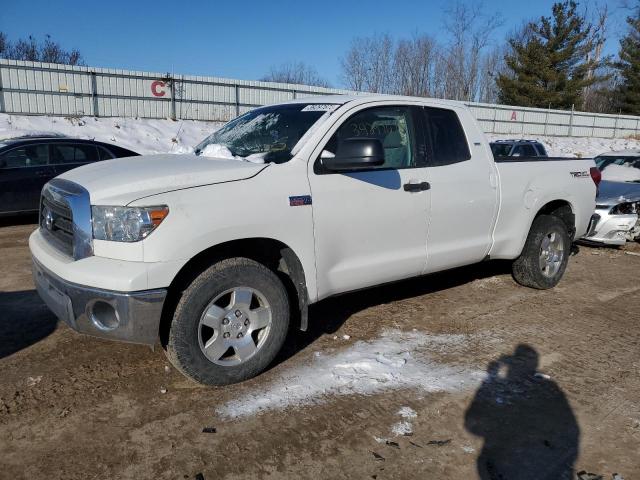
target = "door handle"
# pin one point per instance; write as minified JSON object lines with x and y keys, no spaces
{"x":416,"y":187}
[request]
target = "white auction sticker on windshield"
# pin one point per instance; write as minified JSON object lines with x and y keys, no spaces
{"x":320,"y":107}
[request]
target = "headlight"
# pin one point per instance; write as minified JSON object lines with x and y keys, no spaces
{"x":623,"y":209}
{"x":126,"y":224}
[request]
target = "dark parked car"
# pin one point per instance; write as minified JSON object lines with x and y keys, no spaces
{"x":518,"y":148}
{"x":27,"y":163}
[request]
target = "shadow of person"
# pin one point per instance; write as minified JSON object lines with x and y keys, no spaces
{"x":529,"y":429}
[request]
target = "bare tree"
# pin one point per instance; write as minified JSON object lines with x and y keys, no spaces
{"x":4,"y":45}
{"x":458,"y":69}
{"x":368,"y":64}
{"x":295,"y":72}
{"x":355,"y":68}
{"x":25,"y":50}
{"x":414,"y":65}
{"x":598,"y":97}
{"x":492,"y":64}
{"x":30,"y":49}
{"x":471,"y":30}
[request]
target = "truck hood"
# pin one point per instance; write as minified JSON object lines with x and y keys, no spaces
{"x":123,"y":180}
{"x":613,"y":193}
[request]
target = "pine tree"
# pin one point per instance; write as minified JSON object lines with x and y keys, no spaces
{"x":548,"y":65}
{"x":629,"y":67}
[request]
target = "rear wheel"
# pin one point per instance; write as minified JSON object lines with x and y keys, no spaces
{"x":229,"y":323}
{"x":545,"y":255}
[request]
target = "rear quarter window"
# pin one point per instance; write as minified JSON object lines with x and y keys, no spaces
{"x":446,"y":137}
{"x":120,"y":152}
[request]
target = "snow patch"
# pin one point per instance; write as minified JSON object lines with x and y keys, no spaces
{"x":149,"y":136}
{"x":142,"y":135}
{"x":407,"y":412}
{"x":402,"y":429}
{"x":215,"y":150}
{"x":396,"y":360}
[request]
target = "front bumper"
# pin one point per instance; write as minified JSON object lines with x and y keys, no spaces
{"x":125,"y":316}
{"x":610,"y":229}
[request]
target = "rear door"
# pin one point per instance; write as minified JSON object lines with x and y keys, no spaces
{"x":23,"y":172}
{"x":67,"y":156}
{"x":464,"y":193}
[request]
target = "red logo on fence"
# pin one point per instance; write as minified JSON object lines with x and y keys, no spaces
{"x":513,"y":115}
{"x":157,"y":88}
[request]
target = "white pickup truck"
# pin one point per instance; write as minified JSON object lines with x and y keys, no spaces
{"x":218,"y":252}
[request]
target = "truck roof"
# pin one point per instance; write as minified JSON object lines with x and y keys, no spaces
{"x":364,"y":98}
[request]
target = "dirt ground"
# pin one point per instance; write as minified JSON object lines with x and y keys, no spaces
{"x":75,"y":407}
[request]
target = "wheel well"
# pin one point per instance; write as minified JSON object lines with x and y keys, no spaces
{"x":271,"y":253}
{"x":561,"y":209}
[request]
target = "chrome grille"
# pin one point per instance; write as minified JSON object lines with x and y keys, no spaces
{"x":65,"y":218}
{"x":56,"y":220}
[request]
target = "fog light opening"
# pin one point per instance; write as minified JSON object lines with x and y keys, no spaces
{"x":104,"y":315}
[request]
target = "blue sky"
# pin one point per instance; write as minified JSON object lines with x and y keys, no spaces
{"x":241,"y":39}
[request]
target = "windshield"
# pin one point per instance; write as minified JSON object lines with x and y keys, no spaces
{"x":500,"y":149}
{"x":267,"y":134}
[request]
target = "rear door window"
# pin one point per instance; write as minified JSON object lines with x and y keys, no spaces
{"x":445,"y":135}
{"x":74,"y":153}
{"x":28,"y":156}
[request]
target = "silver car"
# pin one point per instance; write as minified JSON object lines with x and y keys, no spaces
{"x":617,"y":216}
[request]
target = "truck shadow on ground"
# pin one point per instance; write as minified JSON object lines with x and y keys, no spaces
{"x":327,"y":316}
{"x":24,"y":320}
{"x":528,"y":427}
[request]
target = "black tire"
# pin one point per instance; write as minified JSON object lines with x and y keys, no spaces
{"x":526,"y":268}
{"x":183,"y":343}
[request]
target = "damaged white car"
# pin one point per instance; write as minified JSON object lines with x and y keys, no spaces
{"x":617,"y":216}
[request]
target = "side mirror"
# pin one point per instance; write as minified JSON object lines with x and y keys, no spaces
{"x":354,"y":154}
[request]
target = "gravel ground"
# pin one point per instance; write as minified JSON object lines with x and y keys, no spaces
{"x":545,"y":381}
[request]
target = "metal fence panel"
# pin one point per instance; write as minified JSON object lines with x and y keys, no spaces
{"x":34,"y":88}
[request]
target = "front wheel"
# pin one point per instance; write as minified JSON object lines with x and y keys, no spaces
{"x":229,"y":323}
{"x":545,"y":255}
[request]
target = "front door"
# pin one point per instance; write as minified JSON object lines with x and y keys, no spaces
{"x":371,"y":226}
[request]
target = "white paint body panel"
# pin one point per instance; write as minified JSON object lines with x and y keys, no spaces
{"x":359,"y":232}
{"x":464,"y":204}
{"x":121,"y":180}
{"x":526,"y":187}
